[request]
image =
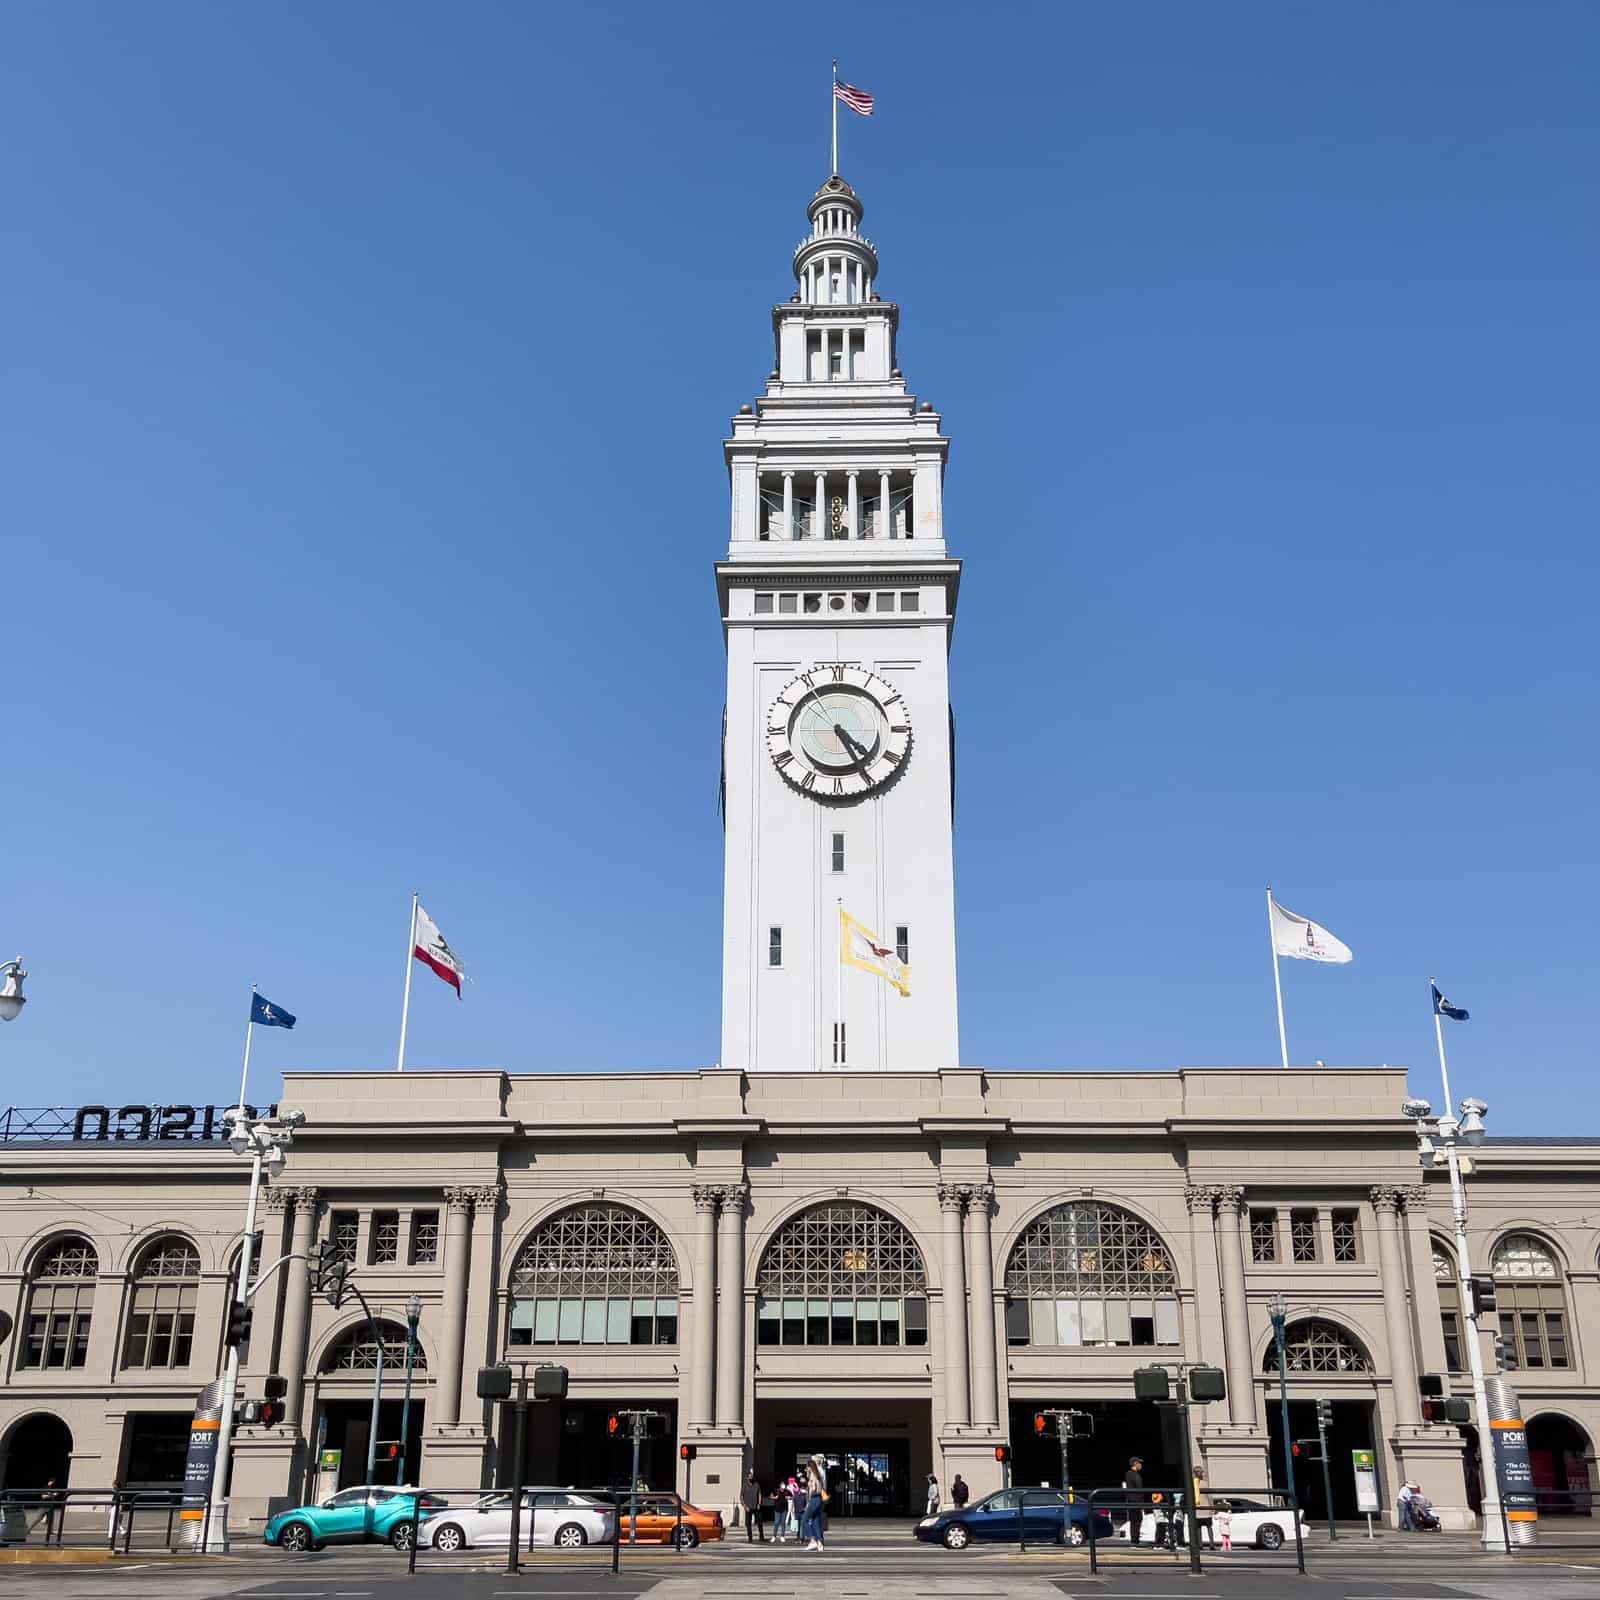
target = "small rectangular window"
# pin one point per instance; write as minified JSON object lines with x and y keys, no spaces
{"x":344,"y":1229}
{"x":902,"y":944}
{"x":1303,"y":1235}
{"x":424,"y":1238}
{"x":837,"y":853}
{"x":1346,"y":1238}
{"x":911,"y":601}
{"x":886,"y":602}
{"x":763,"y":604}
{"x":1263,"y":1235}
{"x":788,"y":602}
{"x":774,"y":947}
{"x":838,"y":1044}
{"x":385,"y":1237}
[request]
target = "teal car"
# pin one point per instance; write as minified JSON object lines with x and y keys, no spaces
{"x":367,"y":1514}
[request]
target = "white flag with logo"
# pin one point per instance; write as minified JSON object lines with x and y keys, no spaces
{"x":1305,"y":940}
{"x":860,"y":947}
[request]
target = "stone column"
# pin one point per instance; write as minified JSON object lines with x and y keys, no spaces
{"x":819,"y":520}
{"x":952,"y":1199}
{"x":788,"y":506}
{"x":980,"y":1262}
{"x":853,"y":512}
{"x":482,"y":1327}
{"x":730,"y":1301}
{"x":297,"y":1302}
{"x":1386,"y":1202}
{"x":1235,"y":1307}
{"x":884,"y":530}
{"x":446,"y":1406}
{"x":702,"y":1345}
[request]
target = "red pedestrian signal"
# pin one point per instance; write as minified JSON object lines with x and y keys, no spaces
{"x":1002,"y":1452}
{"x":613,"y":1426}
{"x":1041,"y":1423}
{"x":686,"y":1452}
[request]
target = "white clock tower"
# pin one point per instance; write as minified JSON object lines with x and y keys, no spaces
{"x":838,"y":765}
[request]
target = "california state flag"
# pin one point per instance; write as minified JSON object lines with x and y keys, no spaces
{"x":860,"y":947}
{"x":432,"y":951}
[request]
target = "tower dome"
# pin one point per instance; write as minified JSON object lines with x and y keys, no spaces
{"x":835,"y":263}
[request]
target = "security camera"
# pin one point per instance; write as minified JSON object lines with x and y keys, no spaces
{"x":1416,"y":1109}
{"x":1471,"y":1106}
{"x":291,"y":1119}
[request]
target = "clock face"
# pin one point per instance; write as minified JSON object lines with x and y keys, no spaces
{"x":838,"y":732}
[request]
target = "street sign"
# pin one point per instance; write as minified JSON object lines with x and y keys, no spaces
{"x":328,"y":1460}
{"x":1366,"y":1471}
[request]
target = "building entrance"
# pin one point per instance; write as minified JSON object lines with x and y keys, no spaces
{"x":1122,"y":1428}
{"x":864,"y":1480}
{"x":1352,"y":1430}
{"x":348,"y":1422}
{"x":876,"y":1454}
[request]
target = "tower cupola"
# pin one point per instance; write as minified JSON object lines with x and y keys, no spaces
{"x":835,"y":264}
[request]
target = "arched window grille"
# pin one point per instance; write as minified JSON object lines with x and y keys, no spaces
{"x":1449,"y":1287}
{"x":1532,"y":1303}
{"x":1313,"y":1345}
{"x":60,"y":1305}
{"x":166,"y":1280}
{"x":595,"y":1274}
{"x":842,"y":1273}
{"x":355,"y":1350}
{"x":1088,"y":1273}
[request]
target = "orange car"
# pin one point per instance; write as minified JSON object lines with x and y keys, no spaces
{"x":666,"y":1519}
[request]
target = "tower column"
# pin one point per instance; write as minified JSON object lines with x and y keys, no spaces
{"x":702,"y":1349}
{"x":952,"y":1200}
{"x":980,"y":1262}
{"x":885,"y":531}
{"x":1396,"y":1309}
{"x":1235,"y":1308}
{"x":730,"y":1307}
{"x":788,"y":506}
{"x":819,"y":526}
{"x":854,"y":513}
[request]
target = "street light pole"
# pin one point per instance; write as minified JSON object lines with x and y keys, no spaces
{"x":1280,"y":1314}
{"x":413,"y":1316}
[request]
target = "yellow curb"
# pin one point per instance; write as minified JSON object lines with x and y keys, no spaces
{"x":21,"y":1556}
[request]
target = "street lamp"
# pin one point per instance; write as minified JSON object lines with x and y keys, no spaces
{"x":264,"y":1142}
{"x":1278,"y":1307}
{"x":12,"y":999}
{"x":413,"y":1316}
{"x":1438,"y":1145}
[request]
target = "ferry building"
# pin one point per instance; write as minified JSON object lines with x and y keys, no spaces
{"x":839,"y":1239}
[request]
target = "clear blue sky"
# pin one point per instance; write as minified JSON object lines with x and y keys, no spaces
{"x":366,"y":369}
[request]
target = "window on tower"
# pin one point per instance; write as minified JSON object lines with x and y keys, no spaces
{"x":788,"y":602}
{"x":763,"y":604}
{"x":860,"y":602}
{"x":774,"y":947}
{"x":902,"y":944}
{"x":911,"y":601}
{"x":886,"y":602}
{"x":838,"y":1044}
{"x":838,"y":853}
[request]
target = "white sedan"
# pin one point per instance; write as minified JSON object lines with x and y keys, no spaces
{"x":559,"y":1517}
{"x":1253,"y":1523}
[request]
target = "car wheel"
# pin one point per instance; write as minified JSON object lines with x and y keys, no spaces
{"x":686,"y":1538}
{"x":569,"y":1536}
{"x":295,"y":1536}
{"x":1269,"y":1537}
{"x":401,"y":1535}
{"x":449,"y":1538}
{"x":956,"y":1536}
{"x":1074,"y":1534}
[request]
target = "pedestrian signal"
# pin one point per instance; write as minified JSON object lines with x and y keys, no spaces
{"x":613,"y":1425}
{"x":1002,"y":1452}
{"x":686,"y":1452}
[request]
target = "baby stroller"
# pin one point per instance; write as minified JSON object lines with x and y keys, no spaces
{"x":1423,"y":1517}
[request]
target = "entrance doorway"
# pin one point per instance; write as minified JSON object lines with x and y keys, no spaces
{"x":348,"y":1424}
{"x":155,"y":1447}
{"x":876,"y":1453}
{"x":1122,"y":1428}
{"x":568,"y":1443}
{"x":1353,"y":1429}
{"x":37,"y":1450}
{"x":864,"y":1480}
{"x":1559,"y":1454}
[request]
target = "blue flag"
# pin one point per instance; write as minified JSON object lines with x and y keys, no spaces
{"x":1443,"y":1008}
{"x":263,"y":1011}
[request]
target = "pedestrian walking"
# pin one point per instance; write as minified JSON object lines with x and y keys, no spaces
{"x":1133,"y":1486}
{"x":50,"y":1498}
{"x":933,"y":1495}
{"x":780,"y":1512}
{"x":750,"y":1499}
{"x":1408,"y":1522}
{"x":1201,"y":1512}
{"x":816,"y":1493}
{"x":959,"y":1492}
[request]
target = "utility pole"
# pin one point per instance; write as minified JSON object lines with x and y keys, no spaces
{"x":1324,"y":1421}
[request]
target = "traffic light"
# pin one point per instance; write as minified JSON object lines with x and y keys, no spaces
{"x":1002,"y":1452}
{"x":1482,"y":1287}
{"x":687,"y":1452}
{"x":1041,"y":1424}
{"x":1324,"y":1415}
{"x":240,"y":1317}
{"x":247,"y":1413}
{"x":614,"y":1426}
{"x":328,"y":1269}
{"x":549,"y":1383}
{"x":494,"y":1383}
{"x":1207,"y":1384}
{"x":1151,"y":1383}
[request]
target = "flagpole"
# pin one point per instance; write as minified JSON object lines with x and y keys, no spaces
{"x":1277,"y":981}
{"x":405,"y":1004}
{"x":838,"y":991}
{"x":835,"y":103}
{"x":1438,"y":1033}
{"x":249,"y":1028}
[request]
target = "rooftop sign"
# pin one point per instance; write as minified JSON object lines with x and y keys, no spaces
{"x":117,"y":1124}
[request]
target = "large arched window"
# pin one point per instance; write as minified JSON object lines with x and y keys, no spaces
{"x":1532,"y":1302}
{"x":161,"y":1314}
{"x":1449,"y":1286}
{"x":355,"y":1350}
{"x":842,"y":1273}
{"x":1313,"y":1345}
{"x":1088,"y":1273}
{"x":595,"y":1274}
{"x":60,"y":1304}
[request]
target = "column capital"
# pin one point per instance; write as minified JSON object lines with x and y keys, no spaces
{"x":706,"y":1197}
{"x":788,"y":472}
{"x":980,"y":1199}
{"x":852,"y":472}
{"x":1386,"y":1199}
{"x":1230,"y":1197}
{"x":487,"y":1198}
{"x":459,"y":1201}
{"x":1200,"y":1197}
{"x":288,"y":1197}
{"x":953,"y":1196}
{"x":1415,"y":1196}
{"x":735,"y":1199}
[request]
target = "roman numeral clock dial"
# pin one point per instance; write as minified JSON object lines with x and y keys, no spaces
{"x":838,"y":732}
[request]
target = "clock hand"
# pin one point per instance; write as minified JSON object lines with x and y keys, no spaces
{"x":863,"y":756}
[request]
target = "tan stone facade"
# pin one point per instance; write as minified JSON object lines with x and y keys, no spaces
{"x":1214,"y":1189}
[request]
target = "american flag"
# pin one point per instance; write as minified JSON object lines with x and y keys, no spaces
{"x":856,"y":99}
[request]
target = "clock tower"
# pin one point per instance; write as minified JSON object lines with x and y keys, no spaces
{"x":838,"y":602}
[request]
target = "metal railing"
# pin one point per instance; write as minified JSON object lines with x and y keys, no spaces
{"x":98,"y":1519}
{"x":1170,"y":1523}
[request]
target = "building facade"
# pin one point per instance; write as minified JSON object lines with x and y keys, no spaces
{"x":838,"y":1240}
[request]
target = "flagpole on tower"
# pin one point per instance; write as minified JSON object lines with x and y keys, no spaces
{"x":1277,"y":981}
{"x":1438,"y":1033}
{"x":249,"y":1028}
{"x":405,"y":1004}
{"x":834,"y":102}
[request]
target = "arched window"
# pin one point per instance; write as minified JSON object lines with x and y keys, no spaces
{"x":1532,"y":1303}
{"x":1313,"y":1345}
{"x":1449,"y":1286}
{"x":161,"y":1314}
{"x":842,"y":1273}
{"x":1088,"y":1273}
{"x":595,"y":1274}
{"x":60,"y":1304}
{"x":355,"y":1350}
